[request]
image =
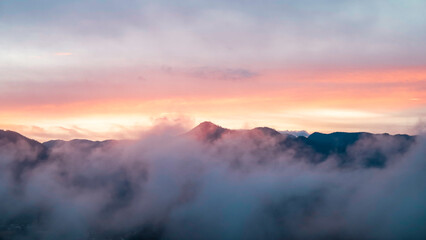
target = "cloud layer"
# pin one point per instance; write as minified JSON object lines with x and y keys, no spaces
{"x":256,"y":184}
{"x":218,"y":33}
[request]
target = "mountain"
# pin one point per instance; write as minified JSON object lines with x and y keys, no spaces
{"x":79,"y":143}
{"x":10,"y":137}
{"x":265,"y":131}
{"x":208,"y":131}
{"x":360,"y":146}
{"x":26,"y":152}
{"x":347,"y":149}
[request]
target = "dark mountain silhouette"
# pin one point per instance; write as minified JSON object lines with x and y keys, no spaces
{"x":349,"y":148}
{"x":316,"y":148}
{"x":30,"y":151}
{"x":10,"y":137}
{"x":79,"y":143}
{"x":334,"y":142}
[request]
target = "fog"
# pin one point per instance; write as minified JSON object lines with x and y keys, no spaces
{"x":245,"y":185}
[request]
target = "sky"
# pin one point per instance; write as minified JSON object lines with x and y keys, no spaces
{"x":107,"y":69}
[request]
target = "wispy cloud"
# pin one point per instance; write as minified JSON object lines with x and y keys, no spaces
{"x":223,"y":73}
{"x":63,"y":53}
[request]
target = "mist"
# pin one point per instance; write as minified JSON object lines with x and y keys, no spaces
{"x":212,"y":183}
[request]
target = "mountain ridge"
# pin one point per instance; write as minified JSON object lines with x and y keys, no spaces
{"x":317,"y":147}
{"x":206,"y":129}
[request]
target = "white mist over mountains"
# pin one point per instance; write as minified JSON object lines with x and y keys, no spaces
{"x":214,"y":183}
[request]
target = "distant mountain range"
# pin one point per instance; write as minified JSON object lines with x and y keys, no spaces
{"x":317,"y":147}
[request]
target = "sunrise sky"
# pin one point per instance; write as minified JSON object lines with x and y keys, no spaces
{"x":102,"y":69}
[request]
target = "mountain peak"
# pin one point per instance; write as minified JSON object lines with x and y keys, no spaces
{"x":266,"y":131}
{"x":207,"y":124}
{"x":7,"y":136}
{"x":208,"y":131}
